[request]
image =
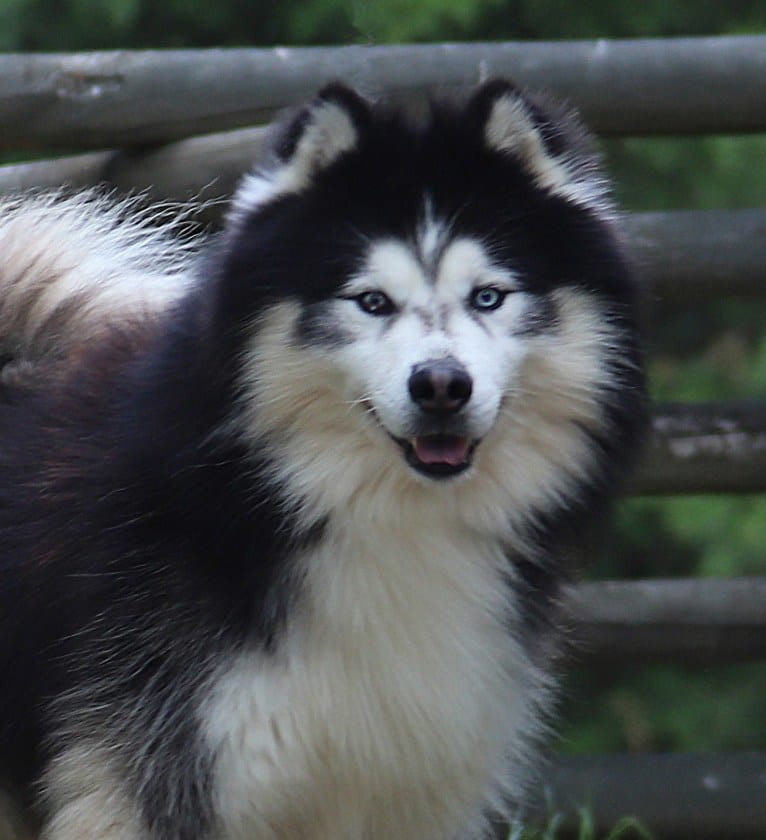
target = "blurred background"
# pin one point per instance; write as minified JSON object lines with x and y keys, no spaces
{"x":697,"y":352}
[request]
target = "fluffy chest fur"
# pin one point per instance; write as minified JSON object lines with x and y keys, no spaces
{"x":391,"y":708}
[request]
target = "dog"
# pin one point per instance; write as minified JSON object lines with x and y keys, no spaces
{"x":285,"y":513}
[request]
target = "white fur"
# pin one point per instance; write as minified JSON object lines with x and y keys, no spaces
{"x":391,"y":704}
{"x":431,"y":236}
{"x":88,"y":798}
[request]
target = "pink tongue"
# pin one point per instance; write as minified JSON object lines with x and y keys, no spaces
{"x":441,"y":449}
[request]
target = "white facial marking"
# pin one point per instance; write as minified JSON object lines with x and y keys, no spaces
{"x":391,"y":268}
{"x":431,"y":236}
{"x":430,"y":240}
{"x":434,"y":321}
{"x":465,"y":265}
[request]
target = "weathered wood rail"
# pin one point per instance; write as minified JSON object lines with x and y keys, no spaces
{"x":698,"y":621}
{"x":705,"y":448}
{"x":182,"y":126}
{"x":691,"y":796}
{"x":673,"y":86}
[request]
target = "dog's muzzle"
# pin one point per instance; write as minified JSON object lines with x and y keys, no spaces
{"x":440,"y":388}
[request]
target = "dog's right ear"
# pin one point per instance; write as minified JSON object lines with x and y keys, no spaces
{"x":323,"y":130}
{"x":310,"y":141}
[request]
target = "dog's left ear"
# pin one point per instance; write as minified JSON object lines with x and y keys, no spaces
{"x":549,"y":141}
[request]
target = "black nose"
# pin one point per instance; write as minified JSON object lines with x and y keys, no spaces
{"x":442,"y":386}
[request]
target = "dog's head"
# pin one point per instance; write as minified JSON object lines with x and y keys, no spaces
{"x":449,"y":292}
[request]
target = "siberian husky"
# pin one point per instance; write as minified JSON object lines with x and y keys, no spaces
{"x":284,"y":519}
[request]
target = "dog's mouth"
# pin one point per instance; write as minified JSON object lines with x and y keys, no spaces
{"x":438,"y":455}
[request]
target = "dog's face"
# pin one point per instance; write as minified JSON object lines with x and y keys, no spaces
{"x":432,"y":344}
{"x":447,"y":294}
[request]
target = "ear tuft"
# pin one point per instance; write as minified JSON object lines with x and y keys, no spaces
{"x":486,"y":95}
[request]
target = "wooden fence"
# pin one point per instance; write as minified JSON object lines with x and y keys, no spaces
{"x":145,"y":119}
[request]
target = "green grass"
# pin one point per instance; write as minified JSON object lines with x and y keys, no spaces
{"x":628,"y":828}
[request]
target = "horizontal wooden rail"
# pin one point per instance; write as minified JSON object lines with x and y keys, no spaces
{"x":705,"y":448}
{"x":200,"y":168}
{"x":692,"y":621}
{"x":693,"y":255}
{"x":98,"y":100}
{"x":705,"y":796}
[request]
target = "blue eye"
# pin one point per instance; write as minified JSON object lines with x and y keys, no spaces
{"x":375,"y":303}
{"x":486,"y":298}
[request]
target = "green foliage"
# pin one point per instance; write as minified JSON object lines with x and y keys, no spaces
{"x":667,"y":173}
{"x":627,"y":828}
{"x":105,"y":24}
{"x":664,"y":709}
{"x":372,"y":21}
{"x":63,"y":25}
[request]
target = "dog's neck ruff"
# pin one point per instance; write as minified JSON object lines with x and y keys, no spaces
{"x":398,"y":666}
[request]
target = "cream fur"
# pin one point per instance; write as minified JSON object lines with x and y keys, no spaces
{"x":390,"y":708}
{"x":88,"y":799}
